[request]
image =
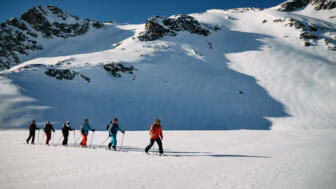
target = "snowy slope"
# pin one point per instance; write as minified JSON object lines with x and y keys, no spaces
{"x":253,"y":73}
{"x":302,"y":159}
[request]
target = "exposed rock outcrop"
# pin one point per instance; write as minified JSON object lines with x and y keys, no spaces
{"x":18,"y":36}
{"x":160,"y":26}
{"x":293,"y":5}
{"x":117,"y":68}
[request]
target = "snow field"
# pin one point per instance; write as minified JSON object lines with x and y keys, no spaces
{"x":206,"y":159}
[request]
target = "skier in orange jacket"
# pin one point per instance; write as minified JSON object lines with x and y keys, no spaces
{"x":155,"y":136}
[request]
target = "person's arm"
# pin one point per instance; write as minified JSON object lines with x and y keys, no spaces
{"x":91,"y":128}
{"x":151,"y":130}
{"x":52,"y":128}
{"x":123,"y":131}
{"x":81,"y":128}
{"x":161,"y":135}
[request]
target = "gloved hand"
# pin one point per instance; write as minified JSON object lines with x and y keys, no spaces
{"x":123,"y":132}
{"x":93,"y":130}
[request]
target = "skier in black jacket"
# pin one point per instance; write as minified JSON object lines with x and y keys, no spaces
{"x":65,"y":130}
{"x":32,"y":128}
{"x":47,"y":129}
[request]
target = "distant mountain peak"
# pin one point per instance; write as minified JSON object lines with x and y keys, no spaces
{"x":18,"y":36}
{"x":292,"y":5}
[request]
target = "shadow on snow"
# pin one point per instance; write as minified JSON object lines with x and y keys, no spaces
{"x":187,"y":93}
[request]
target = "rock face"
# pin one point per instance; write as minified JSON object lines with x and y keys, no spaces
{"x":160,"y":26}
{"x":310,"y":33}
{"x":317,"y":4}
{"x":18,"y":36}
{"x":323,"y":4}
{"x":117,"y":68}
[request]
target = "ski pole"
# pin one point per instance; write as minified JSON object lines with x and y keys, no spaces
{"x":122,"y":140}
{"x":53,"y":138}
{"x":91,"y":139}
{"x":75,"y":137}
{"x":38,"y":137}
{"x":59,"y":140}
{"x":105,"y":141}
{"x":43,"y":138}
{"x":78,"y":138}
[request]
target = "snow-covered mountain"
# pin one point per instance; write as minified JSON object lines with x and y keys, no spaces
{"x":244,"y":68}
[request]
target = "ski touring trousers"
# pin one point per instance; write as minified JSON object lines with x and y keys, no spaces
{"x":158,"y":141}
{"x":48,"y":135}
{"x":83,"y":143}
{"x":31,"y":136}
{"x":65,"y":140}
{"x":114,"y":139}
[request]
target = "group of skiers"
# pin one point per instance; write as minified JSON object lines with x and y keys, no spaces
{"x":112,"y":128}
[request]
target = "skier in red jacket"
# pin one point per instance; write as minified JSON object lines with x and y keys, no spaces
{"x":155,"y":136}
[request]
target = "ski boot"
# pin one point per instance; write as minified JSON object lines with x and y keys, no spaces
{"x":114,"y":148}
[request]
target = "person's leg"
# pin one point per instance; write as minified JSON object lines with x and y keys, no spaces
{"x":65,"y":140}
{"x":33,"y":137}
{"x":48,"y":137}
{"x":84,"y":139}
{"x":114,"y":140}
{"x":81,"y":143}
{"x":158,"y":141}
{"x":30,"y":135}
{"x":149,"y":145}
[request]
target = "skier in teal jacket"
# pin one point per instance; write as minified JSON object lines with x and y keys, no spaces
{"x":85,"y":127}
{"x":113,"y":128}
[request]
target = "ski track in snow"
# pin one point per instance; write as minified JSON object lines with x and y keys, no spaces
{"x":206,"y":159}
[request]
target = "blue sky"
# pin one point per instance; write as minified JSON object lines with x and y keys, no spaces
{"x":130,"y":11}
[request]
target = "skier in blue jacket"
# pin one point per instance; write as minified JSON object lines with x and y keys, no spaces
{"x":113,"y":128}
{"x":85,"y":127}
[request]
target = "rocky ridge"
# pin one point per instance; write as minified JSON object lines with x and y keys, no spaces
{"x":21,"y":36}
{"x":317,"y":4}
{"x":159,"y":26}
